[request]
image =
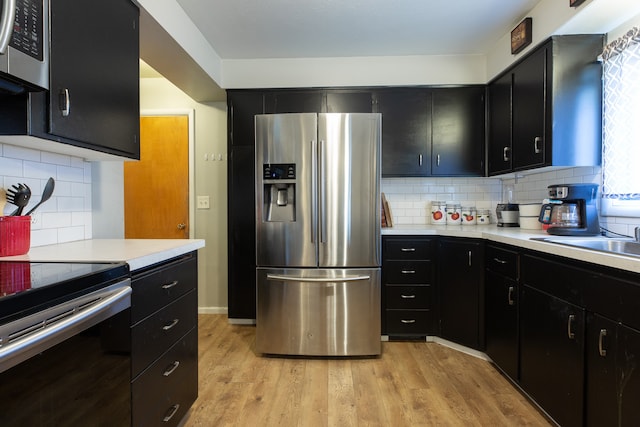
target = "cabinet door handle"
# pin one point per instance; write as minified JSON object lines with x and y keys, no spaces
{"x":536,"y":145}
{"x":408,"y":249}
{"x":171,"y":368}
{"x":470,"y":258}
{"x":500,"y":261}
{"x":505,"y":154}
{"x":408,"y":272}
{"x":601,"y":350}
{"x":64,"y":101}
{"x":420,"y":159}
{"x":408,"y":321}
{"x":407,"y":296}
{"x":171,"y":412}
{"x":170,"y":325}
{"x":438,"y":160}
{"x":570,"y":320}
{"x":510,"y":296}
{"x":170,"y":285}
{"x":6,"y":24}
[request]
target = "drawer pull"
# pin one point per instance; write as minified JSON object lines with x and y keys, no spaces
{"x":171,"y":368}
{"x":510,"y":300}
{"x":171,"y":412}
{"x":408,"y":272}
{"x":170,"y":285}
{"x":170,"y":325}
{"x":500,"y":261}
{"x":408,"y":321}
{"x":408,"y":249}
{"x":601,"y":349}
{"x":570,"y":320}
{"x":407,"y":296}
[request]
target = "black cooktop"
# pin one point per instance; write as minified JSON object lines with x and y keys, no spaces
{"x":26,"y":287}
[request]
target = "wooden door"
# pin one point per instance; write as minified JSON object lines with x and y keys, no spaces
{"x":156,"y":201}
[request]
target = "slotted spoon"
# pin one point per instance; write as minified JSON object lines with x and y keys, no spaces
{"x":18,"y":196}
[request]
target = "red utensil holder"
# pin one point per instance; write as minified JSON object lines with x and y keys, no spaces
{"x":15,"y":235}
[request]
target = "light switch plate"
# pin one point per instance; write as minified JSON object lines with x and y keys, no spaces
{"x":203,"y":202}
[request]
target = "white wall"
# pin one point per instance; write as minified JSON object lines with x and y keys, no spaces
{"x":210,"y":164}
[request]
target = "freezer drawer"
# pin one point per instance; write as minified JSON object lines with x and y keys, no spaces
{"x":318,"y":312}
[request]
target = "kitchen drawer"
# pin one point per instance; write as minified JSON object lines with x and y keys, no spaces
{"x":408,"y":297}
{"x":408,"y":248}
{"x":152,"y":336}
{"x":170,"y":385}
{"x":158,"y":287}
{"x":407,"y":272}
{"x":502,"y":261}
{"x":409,"y":322}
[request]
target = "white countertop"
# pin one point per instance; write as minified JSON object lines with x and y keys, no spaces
{"x":518,"y":237}
{"x":138,"y":253}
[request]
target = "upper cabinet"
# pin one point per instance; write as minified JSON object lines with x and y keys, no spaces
{"x":457,"y":137}
{"x":92,"y":108}
{"x":432,"y":131}
{"x":546,"y":110}
{"x":406,"y":131}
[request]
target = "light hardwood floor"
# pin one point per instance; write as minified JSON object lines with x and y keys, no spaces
{"x":411,"y":384}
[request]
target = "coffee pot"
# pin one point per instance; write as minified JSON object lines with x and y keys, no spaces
{"x":571,"y":210}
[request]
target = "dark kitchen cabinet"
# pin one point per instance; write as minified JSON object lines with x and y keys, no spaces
{"x":294,"y":101}
{"x":242,"y":105}
{"x":499,"y":152}
{"x":612,"y":382}
{"x":458,"y":135}
{"x":408,"y":296}
{"x":552,"y":335}
{"x":501,"y":308}
{"x":343,"y":101}
{"x":406,"y":131}
{"x":94,"y":74}
{"x":164,"y":341}
{"x":461,"y":291}
{"x":536,"y":105}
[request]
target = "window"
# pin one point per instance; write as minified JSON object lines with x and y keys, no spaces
{"x":621,"y":126}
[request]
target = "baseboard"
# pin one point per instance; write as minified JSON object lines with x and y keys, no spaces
{"x":213,"y":310}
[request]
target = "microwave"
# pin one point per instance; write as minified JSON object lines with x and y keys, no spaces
{"x":24,"y":46}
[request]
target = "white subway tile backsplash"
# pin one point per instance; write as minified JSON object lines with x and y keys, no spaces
{"x":66,"y":216}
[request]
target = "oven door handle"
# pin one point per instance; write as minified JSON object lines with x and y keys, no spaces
{"x":52,"y":326}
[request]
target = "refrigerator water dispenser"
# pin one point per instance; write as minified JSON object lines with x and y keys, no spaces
{"x":279,"y":192}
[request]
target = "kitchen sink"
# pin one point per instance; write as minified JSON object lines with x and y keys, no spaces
{"x":615,"y":246}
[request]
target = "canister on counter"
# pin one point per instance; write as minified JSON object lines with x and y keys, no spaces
{"x":438,"y":212}
{"x":469,"y":216}
{"x":453,"y":213}
{"x":484,"y":217}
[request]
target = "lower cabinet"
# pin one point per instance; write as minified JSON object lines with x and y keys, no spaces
{"x":164,"y":335}
{"x":613,"y":381}
{"x":408,"y":301}
{"x":552,"y":354}
{"x":461,"y":291}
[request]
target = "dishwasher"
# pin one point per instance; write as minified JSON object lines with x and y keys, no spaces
{"x":65,"y":344}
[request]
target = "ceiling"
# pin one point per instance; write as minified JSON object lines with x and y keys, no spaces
{"x":255,"y":29}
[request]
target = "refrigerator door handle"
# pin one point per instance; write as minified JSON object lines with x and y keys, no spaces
{"x":323,"y":193}
{"x":317,"y":279}
{"x":314,"y":191}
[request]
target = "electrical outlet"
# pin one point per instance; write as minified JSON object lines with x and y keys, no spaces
{"x":203,"y":202}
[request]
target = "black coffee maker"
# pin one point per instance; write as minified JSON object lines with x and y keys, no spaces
{"x":571,"y":210}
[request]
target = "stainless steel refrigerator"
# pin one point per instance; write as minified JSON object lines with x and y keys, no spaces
{"x":318,"y":234}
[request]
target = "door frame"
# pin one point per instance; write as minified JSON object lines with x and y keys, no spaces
{"x":190,"y":113}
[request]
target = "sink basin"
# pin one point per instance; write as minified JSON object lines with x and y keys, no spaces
{"x":615,"y":246}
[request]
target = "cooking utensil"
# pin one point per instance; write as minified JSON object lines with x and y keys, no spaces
{"x":46,"y":194}
{"x":19,"y":196}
